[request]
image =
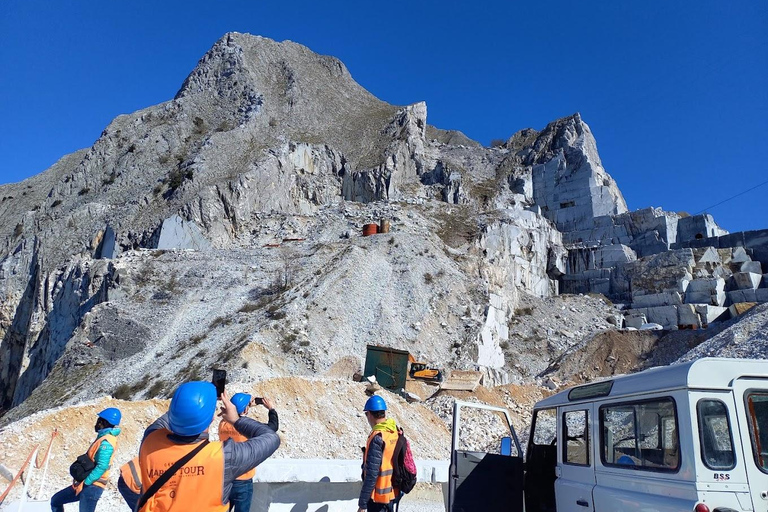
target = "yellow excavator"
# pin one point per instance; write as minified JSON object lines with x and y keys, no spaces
{"x":420,"y":370}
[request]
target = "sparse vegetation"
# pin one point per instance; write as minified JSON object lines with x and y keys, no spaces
{"x":428,"y":278}
{"x":156,"y":390}
{"x":497,"y":143}
{"x":178,"y":177}
{"x":199,"y":125}
{"x":286,"y":343}
{"x":525,"y":311}
{"x":109,"y":179}
{"x":126,"y":391}
{"x":220,"y":321}
{"x":248,"y":308}
{"x":18,"y":230}
{"x":161,"y":295}
{"x":194,"y":340}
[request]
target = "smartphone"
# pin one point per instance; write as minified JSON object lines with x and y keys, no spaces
{"x":257,"y":400}
{"x":220,"y":381}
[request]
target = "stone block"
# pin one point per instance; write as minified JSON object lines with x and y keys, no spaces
{"x":698,"y":298}
{"x":666,"y":316}
{"x":635,"y":318}
{"x":740,"y":308}
{"x":602,"y":285}
{"x":574,"y":284}
{"x":756,"y":238}
{"x":709,"y":285}
{"x":656,"y":299}
{"x":601,"y":273}
{"x":697,"y":227}
{"x":732,"y":240}
{"x":747,"y":280}
{"x":719,"y":299}
{"x":687,"y":316}
{"x":740,"y":255}
{"x":707,"y":255}
{"x":751,"y":266}
{"x":709,"y":314}
{"x":765,"y":281}
{"x":737,"y":296}
{"x":761,"y":295}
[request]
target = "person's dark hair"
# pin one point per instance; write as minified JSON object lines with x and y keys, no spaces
{"x":378,"y":414}
{"x":102,"y":423}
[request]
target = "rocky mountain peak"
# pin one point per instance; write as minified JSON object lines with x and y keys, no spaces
{"x":222,"y":227}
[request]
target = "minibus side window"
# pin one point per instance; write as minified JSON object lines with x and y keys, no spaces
{"x":757,"y":411}
{"x":545,"y":428}
{"x":640,"y":435}
{"x":576,"y":435}
{"x":715,"y":435}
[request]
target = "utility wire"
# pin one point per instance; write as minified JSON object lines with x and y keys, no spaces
{"x":733,"y":197}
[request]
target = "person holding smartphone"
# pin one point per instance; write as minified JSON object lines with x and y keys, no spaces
{"x":242,"y":488}
{"x":181,"y":470}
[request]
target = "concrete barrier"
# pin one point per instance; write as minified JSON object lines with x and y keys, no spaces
{"x":319,"y":485}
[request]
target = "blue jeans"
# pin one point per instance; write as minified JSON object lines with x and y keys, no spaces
{"x":241,"y":495}
{"x":130,"y":497}
{"x":88,"y":498}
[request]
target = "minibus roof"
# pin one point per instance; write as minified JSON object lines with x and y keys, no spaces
{"x":706,"y":373}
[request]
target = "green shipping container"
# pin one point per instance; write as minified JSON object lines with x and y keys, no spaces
{"x":388,"y":365}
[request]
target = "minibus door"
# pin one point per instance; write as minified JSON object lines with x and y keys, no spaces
{"x":480,"y":481}
{"x":752,"y":406}
{"x":576,"y":468}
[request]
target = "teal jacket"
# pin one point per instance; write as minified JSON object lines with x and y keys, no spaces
{"x":103,"y":456}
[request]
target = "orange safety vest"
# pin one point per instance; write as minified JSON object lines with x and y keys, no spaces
{"x":198,"y":485}
{"x":104,"y":479}
{"x":383,"y":492}
{"x":130,"y":473}
{"x":228,"y":431}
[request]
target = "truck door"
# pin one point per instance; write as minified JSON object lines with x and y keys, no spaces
{"x":576,"y":468}
{"x":752,"y":407}
{"x":478,"y":479}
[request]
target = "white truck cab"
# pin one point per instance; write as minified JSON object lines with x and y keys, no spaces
{"x":682,"y":438}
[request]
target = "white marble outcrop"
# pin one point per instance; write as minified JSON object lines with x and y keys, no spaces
{"x":569,"y":181}
{"x":177,"y":233}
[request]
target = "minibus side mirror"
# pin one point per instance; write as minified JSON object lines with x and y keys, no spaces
{"x":506,"y":446}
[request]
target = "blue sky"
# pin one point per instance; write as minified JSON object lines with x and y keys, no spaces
{"x":676,"y":92}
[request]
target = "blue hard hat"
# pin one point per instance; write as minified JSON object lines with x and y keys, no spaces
{"x":375,"y":403}
{"x":111,"y":415}
{"x":192,"y":408}
{"x":241,"y":401}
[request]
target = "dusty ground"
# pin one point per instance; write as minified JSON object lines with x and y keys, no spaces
{"x":319,"y":418}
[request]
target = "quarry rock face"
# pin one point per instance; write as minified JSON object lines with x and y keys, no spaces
{"x":223,"y":227}
{"x":569,"y":181}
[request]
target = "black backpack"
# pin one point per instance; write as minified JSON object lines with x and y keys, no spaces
{"x":404,"y":467}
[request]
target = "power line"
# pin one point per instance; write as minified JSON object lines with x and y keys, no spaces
{"x":733,"y":197}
